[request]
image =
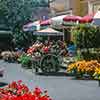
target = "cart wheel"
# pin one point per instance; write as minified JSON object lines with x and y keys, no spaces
{"x":35,"y":66}
{"x":50,"y":63}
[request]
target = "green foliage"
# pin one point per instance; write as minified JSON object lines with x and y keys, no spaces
{"x":25,"y":61}
{"x":23,"y":39}
{"x":86,"y":36}
{"x":15,"y":13}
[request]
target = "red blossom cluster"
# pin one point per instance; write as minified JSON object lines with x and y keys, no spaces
{"x":19,"y":91}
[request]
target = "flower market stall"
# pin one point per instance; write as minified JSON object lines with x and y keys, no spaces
{"x":50,"y":33}
{"x":45,"y":57}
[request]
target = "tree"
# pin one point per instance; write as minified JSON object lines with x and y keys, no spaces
{"x":15,"y":13}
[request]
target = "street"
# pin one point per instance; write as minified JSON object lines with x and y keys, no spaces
{"x":59,"y":87}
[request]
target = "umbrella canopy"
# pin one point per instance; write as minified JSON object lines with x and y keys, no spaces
{"x":58,"y":20}
{"x":45,"y":22}
{"x":31,"y":26}
{"x":72,"y":18}
{"x":48,"y":32}
{"x":86,"y":19}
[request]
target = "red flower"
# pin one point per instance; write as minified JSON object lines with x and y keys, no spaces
{"x":19,"y":91}
{"x":37,"y":91}
{"x":20,"y":81}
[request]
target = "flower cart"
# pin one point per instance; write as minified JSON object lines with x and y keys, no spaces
{"x":47,"y":58}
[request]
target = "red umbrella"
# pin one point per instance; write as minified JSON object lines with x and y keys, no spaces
{"x":86,"y":19}
{"x":67,"y":18}
{"x":72,"y":18}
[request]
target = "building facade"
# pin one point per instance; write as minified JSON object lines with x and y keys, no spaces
{"x":75,"y":7}
{"x":60,"y":7}
{"x":84,"y":7}
{"x":80,"y":7}
{"x":94,"y":6}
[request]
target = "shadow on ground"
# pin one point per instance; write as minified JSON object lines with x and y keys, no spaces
{"x":2,"y":84}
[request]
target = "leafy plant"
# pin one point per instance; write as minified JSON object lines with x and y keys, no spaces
{"x":86,"y":37}
{"x":25,"y":61}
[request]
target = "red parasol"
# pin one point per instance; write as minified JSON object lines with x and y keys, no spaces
{"x":72,"y":18}
{"x":86,"y":19}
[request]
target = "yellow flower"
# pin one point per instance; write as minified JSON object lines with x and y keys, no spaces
{"x":89,"y":67}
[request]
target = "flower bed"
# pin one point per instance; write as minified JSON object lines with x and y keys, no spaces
{"x":84,"y":68}
{"x":19,"y":91}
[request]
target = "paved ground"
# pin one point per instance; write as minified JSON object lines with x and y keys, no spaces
{"x":60,"y":88}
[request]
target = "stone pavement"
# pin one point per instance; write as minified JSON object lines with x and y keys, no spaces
{"x":59,"y":87}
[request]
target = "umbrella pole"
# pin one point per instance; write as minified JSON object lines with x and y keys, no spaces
{"x":63,"y":34}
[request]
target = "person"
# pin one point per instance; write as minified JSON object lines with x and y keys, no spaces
{"x":71,"y":49}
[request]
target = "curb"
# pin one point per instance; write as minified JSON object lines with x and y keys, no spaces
{"x":53,"y":74}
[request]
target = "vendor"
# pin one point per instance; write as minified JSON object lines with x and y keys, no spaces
{"x":71,"y":49}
